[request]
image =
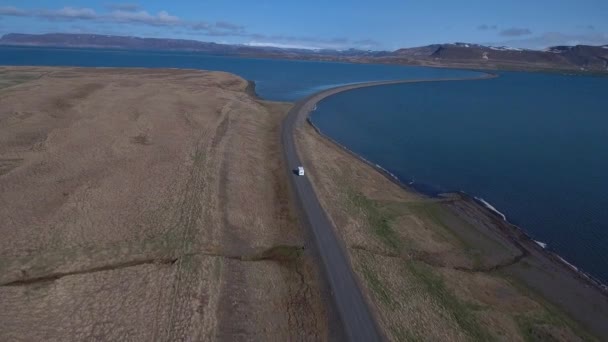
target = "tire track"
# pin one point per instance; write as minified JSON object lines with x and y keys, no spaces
{"x":189,"y":212}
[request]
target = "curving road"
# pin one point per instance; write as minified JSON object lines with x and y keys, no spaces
{"x":353,"y":310}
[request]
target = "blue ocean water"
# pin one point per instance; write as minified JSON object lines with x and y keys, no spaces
{"x":533,"y":145}
{"x":277,"y":80}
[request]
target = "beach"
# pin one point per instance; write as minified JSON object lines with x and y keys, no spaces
{"x":473,"y":255}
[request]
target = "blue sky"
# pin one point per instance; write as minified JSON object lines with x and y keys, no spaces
{"x":340,"y":24}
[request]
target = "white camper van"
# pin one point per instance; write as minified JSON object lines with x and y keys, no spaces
{"x":300,"y":171}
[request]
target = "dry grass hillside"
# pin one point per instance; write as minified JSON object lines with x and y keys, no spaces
{"x":147,"y":205}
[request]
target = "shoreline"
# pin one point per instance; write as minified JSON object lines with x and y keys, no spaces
{"x":250,"y":90}
{"x":518,"y":232}
{"x":577,"y":285}
{"x":407,"y":186}
{"x":542,"y":247}
{"x":415,"y":63}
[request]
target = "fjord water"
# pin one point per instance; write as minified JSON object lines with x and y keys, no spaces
{"x":533,"y":145}
{"x":277,"y":80}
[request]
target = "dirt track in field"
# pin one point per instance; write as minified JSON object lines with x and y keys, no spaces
{"x":147,"y":205}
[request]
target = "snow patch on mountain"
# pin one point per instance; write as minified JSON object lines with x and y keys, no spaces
{"x":504,"y":48}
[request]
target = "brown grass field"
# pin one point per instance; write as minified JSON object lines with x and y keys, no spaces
{"x":147,"y":205}
{"x":153,"y":205}
{"x":435,"y":269}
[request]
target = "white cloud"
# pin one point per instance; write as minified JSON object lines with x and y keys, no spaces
{"x":133,"y":14}
{"x":165,"y":17}
{"x":160,"y":19}
{"x":70,"y":13}
{"x":124,"y":14}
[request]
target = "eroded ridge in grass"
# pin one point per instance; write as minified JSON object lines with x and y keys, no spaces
{"x":57,"y":264}
{"x":430,"y":272}
{"x":380,"y":219}
{"x":148,"y":205}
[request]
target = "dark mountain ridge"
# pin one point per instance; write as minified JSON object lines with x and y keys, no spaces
{"x":129,"y":42}
{"x":579,"y":58}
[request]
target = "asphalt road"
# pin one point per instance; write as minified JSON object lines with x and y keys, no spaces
{"x":355,"y":315}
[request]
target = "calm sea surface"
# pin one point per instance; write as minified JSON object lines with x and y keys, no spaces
{"x":533,"y":145}
{"x":277,"y":80}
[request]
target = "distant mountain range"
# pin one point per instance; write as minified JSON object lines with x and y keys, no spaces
{"x":126,"y":42}
{"x":579,"y":58}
